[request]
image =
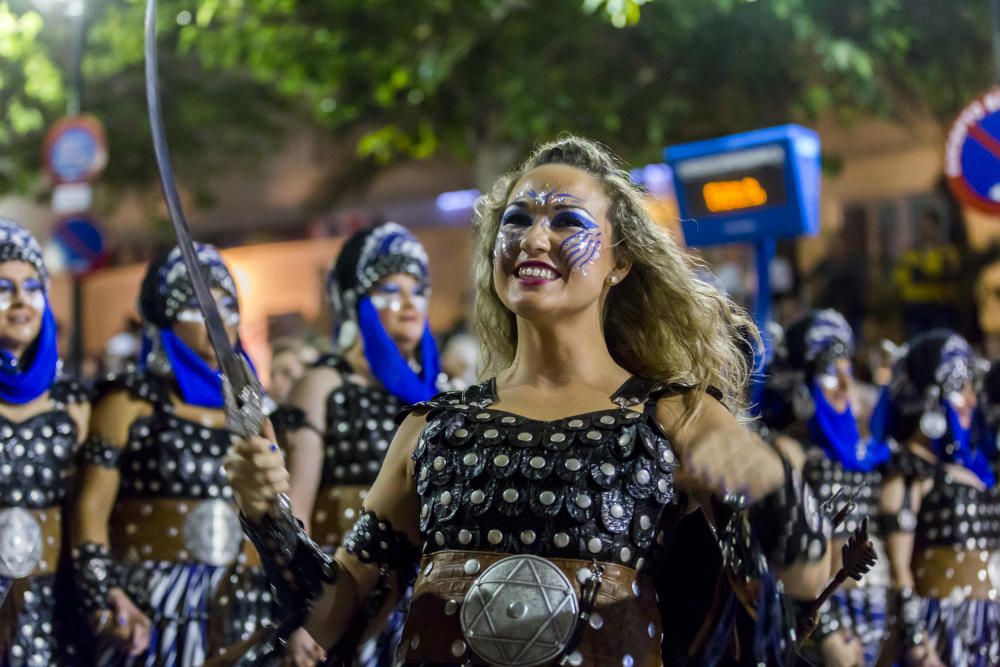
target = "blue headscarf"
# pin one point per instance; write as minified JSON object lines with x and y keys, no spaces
{"x":838,"y":436}
{"x":165,"y":292}
{"x":956,"y":447}
{"x":24,"y":380}
{"x":366,"y":258}
{"x":937,"y":363}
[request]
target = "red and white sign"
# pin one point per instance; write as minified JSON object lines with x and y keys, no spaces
{"x":76,"y":149}
{"x":972,"y":154}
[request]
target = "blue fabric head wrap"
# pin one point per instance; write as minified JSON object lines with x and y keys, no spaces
{"x":937,"y":364}
{"x":837,"y":434}
{"x":25,"y":380}
{"x":366,"y":258}
{"x":166,"y":291}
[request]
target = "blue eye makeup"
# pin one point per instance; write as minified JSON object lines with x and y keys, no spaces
{"x":574,"y":219}
{"x":516,"y":215}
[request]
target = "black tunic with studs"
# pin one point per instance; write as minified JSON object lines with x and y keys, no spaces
{"x":167,"y":456}
{"x":594,"y":486}
{"x":359,"y":426}
{"x":36,"y":468}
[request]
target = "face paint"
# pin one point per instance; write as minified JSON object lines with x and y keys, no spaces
{"x":32,"y":292}
{"x":228,"y":311}
{"x":390,"y":297}
{"x":579,"y":250}
{"x":583,"y":248}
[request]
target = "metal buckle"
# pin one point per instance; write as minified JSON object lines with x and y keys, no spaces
{"x":212,"y":533}
{"x":521,"y":612}
{"x":20,"y":543}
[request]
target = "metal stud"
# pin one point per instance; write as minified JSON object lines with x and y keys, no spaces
{"x":458,"y":648}
{"x":546,"y":498}
{"x":464,"y":536}
{"x":524,"y":436}
{"x":446,"y":498}
{"x":510,"y":495}
{"x":477,"y":497}
{"x":561,"y":540}
{"x":494,"y":536}
{"x":528,"y":536}
{"x":575,"y":423}
{"x":607,"y":469}
{"x":451,"y":606}
{"x":537,"y":462}
{"x":573,"y":465}
{"x":594,"y":545}
{"x":470,"y":459}
{"x":501,"y":460}
{"x":583,"y":501}
{"x":471,"y":566}
{"x":558,"y":437}
{"x":596,"y":621}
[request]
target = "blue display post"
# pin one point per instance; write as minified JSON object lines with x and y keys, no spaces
{"x":753,"y":187}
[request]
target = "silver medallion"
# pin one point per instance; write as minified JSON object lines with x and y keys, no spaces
{"x":520,"y":611}
{"x":20,"y":543}
{"x":993,"y":569}
{"x":212,"y":533}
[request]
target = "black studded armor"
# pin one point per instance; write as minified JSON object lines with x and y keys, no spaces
{"x":359,"y":427}
{"x":593,"y":486}
{"x":955,"y":514}
{"x":827,"y":476}
{"x":36,"y":465}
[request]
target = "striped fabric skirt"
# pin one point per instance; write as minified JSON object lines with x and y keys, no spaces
{"x":964,"y":632}
{"x":862,"y":613}
{"x":195,"y":610}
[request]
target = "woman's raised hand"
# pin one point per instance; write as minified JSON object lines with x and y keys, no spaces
{"x":257,"y":475}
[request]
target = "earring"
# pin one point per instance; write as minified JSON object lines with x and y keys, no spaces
{"x":614,"y":279}
{"x":933,"y":423}
{"x":803,"y":406}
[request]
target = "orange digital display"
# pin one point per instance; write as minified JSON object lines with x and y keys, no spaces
{"x":722,"y":196}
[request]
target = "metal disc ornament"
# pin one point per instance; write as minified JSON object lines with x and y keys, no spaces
{"x":212,"y":533}
{"x":520,"y":612}
{"x":933,"y":424}
{"x":20,"y":543}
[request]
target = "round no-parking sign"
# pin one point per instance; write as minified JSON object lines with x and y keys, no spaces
{"x":972,"y":154}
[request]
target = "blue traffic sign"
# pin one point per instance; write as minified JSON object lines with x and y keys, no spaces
{"x":76,"y":149}
{"x":82,"y":243}
{"x":972,"y":154}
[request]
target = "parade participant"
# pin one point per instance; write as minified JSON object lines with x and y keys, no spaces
{"x":345,"y":406}
{"x":943,"y":527}
{"x":808,"y":410}
{"x":290,"y":359}
{"x":43,"y":416}
{"x":537,"y":503}
{"x":161,"y":565}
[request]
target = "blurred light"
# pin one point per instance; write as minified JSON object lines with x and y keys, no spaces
{"x":458,"y":200}
{"x":184,"y":17}
{"x":328,"y":105}
{"x":70,"y":7}
{"x":656,"y":177}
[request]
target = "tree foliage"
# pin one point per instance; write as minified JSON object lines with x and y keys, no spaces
{"x":411,"y":79}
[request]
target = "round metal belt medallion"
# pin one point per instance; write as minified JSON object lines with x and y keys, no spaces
{"x":993,"y":568}
{"x":212,"y":533}
{"x":20,"y":543}
{"x":520,"y":611}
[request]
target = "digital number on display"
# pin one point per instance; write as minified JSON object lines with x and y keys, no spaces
{"x":735,"y":181}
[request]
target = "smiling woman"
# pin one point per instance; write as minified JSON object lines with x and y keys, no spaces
{"x":533,"y":510}
{"x":42,"y":418}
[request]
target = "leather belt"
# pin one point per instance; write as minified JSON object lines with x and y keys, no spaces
{"x":624,"y":628}
{"x":335,"y":511}
{"x":170,"y":529}
{"x":941,"y":572}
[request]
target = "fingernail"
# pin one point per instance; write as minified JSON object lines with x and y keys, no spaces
{"x":122,"y":620}
{"x":274,"y":447}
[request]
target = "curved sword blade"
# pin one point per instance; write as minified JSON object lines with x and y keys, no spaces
{"x":243,"y":390}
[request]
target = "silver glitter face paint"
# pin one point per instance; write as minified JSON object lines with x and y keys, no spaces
{"x":228,"y":311}
{"x":581,"y":239}
{"x":32,"y":292}
{"x":394,"y":302}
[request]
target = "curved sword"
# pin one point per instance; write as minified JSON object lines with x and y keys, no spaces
{"x":244,"y":395}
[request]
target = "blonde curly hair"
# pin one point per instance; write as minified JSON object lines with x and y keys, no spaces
{"x":661,"y":322}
